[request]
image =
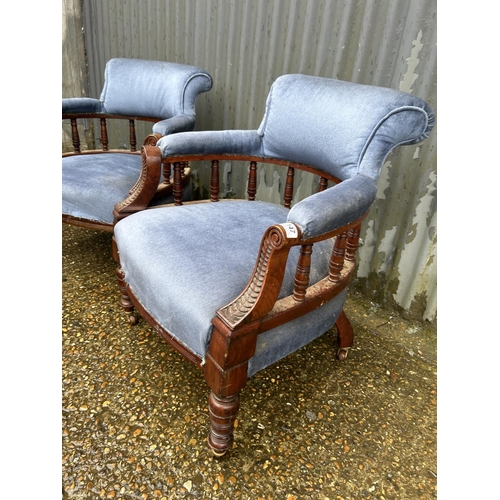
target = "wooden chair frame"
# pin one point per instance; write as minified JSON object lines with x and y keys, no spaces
{"x":257,"y":309}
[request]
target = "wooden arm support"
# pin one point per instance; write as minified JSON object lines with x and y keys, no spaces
{"x":145,"y":187}
{"x":264,"y":287}
{"x":260,"y":296}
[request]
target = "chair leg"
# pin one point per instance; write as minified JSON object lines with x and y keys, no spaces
{"x":222,"y":416}
{"x":345,"y":335}
{"x":125,"y":301}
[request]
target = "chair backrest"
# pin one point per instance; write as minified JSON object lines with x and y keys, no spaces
{"x":137,"y":87}
{"x":340,"y":127}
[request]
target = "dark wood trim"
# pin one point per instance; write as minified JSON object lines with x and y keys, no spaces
{"x":222,"y":413}
{"x":250,"y":158}
{"x":301,"y":280}
{"x":145,"y":188}
{"x":214,"y":180}
{"x":288,"y":195}
{"x":88,"y":224}
{"x":252,"y":181}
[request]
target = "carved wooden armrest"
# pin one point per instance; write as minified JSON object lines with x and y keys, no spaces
{"x":263,"y":289}
{"x":145,"y":188}
{"x":152,"y":139}
{"x":259,"y":300}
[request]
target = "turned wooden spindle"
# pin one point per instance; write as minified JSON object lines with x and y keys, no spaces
{"x":323,"y":184}
{"x":289,"y":187}
{"x":104,"y":134}
{"x":301,"y":280}
{"x":177,"y":187}
{"x":133,"y":140}
{"x":214,"y":181}
{"x":75,"y":136}
{"x":167,"y":172}
{"x":252,"y":181}
{"x":352,"y":243}
{"x":223,"y":413}
{"x":337,"y":258}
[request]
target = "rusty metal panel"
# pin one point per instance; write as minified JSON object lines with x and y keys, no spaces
{"x":247,"y":44}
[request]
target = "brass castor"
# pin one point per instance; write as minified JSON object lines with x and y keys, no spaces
{"x":342,"y":353}
{"x":133,"y":319}
{"x":215,"y":453}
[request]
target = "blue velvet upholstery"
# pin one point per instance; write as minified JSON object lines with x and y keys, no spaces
{"x":339,"y":127}
{"x":81,"y":105}
{"x":207,"y":269}
{"x":335,"y":207}
{"x":183,"y":263}
{"x":281,"y":341}
{"x":93,"y":184}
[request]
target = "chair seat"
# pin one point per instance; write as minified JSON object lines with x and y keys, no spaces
{"x":196,"y":280}
{"x":92,"y":184}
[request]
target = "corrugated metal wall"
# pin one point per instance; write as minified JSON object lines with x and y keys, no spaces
{"x":247,"y":44}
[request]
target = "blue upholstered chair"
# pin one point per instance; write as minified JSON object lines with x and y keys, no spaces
{"x":236,"y":285}
{"x":95,"y":180}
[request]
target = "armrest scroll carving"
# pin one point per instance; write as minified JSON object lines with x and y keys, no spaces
{"x":145,"y":187}
{"x":263,"y":289}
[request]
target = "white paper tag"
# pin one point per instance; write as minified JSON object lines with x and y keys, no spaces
{"x":291,"y":230}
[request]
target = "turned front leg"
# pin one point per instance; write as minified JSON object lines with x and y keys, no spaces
{"x":225,"y":370}
{"x":223,"y":413}
{"x":125,"y":301}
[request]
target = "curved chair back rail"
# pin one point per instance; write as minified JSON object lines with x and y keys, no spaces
{"x":103,"y":127}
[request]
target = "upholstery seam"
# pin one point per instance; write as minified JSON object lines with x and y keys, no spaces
{"x":268,"y":107}
{"x":192,"y":77}
{"x":380,"y":123}
{"x":105,"y":88}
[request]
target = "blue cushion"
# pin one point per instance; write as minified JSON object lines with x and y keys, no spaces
{"x":93,"y":183}
{"x":334,"y":207}
{"x":163,"y":89}
{"x":199,"y":258}
{"x":281,"y":341}
{"x":81,"y":105}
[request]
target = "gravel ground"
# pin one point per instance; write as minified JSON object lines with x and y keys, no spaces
{"x":135,"y":413}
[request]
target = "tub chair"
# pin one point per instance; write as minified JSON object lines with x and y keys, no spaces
{"x":236,"y":285}
{"x":95,"y":180}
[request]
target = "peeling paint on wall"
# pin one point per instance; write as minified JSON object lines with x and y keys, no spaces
{"x":369,"y":236}
{"x":406,"y":85}
{"x":269,"y":186}
{"x":419,"y":253}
